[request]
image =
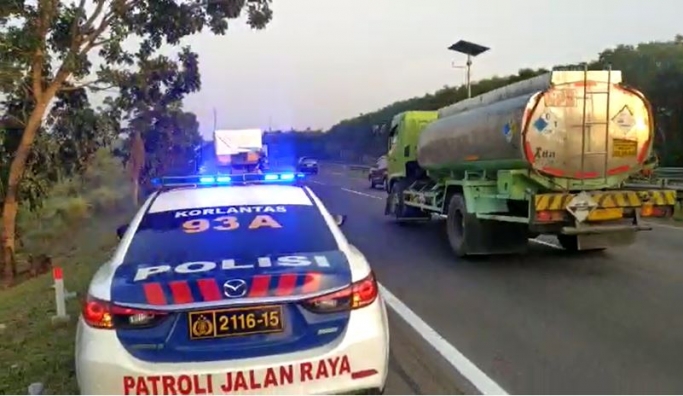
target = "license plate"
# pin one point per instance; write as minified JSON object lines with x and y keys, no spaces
{"x":606,"y":214}
{"x":624,"y":148}
{"x":235,"y":322}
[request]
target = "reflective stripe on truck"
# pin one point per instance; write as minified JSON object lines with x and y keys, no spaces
{"x":607,"y":199}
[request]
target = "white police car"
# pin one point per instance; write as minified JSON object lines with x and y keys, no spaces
{"x":225,"y":286}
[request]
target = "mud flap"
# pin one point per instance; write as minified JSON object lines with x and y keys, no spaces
{"x":597,"y":241}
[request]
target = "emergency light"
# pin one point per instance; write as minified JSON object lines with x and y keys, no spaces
{"x":227,"y":180}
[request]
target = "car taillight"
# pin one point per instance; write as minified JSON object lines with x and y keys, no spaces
{"x":104,"y":315}
{"x":358,"y":295}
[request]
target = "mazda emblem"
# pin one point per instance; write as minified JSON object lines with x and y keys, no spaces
{"x":235,"y":288}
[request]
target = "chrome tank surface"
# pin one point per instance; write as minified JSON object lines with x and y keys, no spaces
{"x":571,"y":124}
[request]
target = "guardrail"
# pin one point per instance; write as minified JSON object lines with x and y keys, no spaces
{"x":664,"y":177}
{"x":669,"y":173}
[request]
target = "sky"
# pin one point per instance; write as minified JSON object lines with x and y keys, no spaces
{"x":321,"y":61}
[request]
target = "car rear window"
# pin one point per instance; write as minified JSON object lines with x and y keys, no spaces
{"x":239,"y":232}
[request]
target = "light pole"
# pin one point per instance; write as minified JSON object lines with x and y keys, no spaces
{"x":471,"y":50}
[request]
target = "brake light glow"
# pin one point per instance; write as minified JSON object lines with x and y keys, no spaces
{"x":104,"y":315}
{"x":357,"y":295}
{"x":547,"y":216}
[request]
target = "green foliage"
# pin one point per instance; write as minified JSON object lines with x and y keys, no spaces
{"x":101,"y":190}
{"x":75,"y":131}
{"x":46,"y":51}
{"x":655,"y":68}
{"x":169,"y":135}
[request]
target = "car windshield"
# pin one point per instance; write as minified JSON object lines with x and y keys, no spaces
{"x":240,"y":232}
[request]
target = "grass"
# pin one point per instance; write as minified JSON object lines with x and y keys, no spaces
{"x":76,"y":227}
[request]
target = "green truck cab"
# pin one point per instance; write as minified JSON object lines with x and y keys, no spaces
{"x":403,"y":135}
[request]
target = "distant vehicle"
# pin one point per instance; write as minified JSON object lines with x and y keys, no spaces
{"x":548,"y":155}
{"x":307,"y":165}
{"x":287,"y":306}
{"x":377,"y":176}
{"x":239,"y":150}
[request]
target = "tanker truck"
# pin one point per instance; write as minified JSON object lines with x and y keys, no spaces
{"x":547,"y":155}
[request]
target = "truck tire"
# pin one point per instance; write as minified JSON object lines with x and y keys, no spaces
{"x":395,"y":206}
{"x":455,"y":225}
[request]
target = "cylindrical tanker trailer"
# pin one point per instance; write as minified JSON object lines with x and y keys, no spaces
{"x":547,"y":155}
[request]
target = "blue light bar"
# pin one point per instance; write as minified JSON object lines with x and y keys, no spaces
{"x":225,"y":180}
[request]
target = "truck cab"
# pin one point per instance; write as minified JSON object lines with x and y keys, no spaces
{"x":402,"y":145}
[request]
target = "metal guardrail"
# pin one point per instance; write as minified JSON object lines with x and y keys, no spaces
{"x":669,"y":173}
{"x":664,"y":177}
{"x":347,"y":165}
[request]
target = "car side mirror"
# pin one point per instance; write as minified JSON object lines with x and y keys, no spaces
{"x":339,"y":219}
{"x":121,"y":230}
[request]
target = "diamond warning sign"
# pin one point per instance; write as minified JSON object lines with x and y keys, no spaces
{"x":581,"y":206}
{"x":624,"y":119}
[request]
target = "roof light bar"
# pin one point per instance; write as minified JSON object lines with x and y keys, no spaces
{"x":228,"y":180}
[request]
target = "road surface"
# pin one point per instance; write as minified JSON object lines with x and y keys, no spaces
{"x":547,"y":322}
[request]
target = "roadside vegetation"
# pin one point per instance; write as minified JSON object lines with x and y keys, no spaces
{"x":75,"y":230}
{"x":70,"y":171}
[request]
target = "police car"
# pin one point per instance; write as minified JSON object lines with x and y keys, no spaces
{"x":233,"y":285}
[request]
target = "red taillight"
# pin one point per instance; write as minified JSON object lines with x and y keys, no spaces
{"x":547,"y":216}
{"x":358,"y":295}
{"x":103,"y":315}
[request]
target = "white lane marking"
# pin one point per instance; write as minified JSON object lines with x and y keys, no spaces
{"x":317,"y":182}
{"x":540,"y":242}
{"x":361,"y":193}
{"x":453,"y":356}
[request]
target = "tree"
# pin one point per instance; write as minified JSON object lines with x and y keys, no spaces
{"x":45,"y":49}
{"x":136,"y":163}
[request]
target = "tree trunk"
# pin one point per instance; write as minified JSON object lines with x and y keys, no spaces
{"x":11,"y":203}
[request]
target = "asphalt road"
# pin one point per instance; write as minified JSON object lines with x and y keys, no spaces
{"x":547,"y":322}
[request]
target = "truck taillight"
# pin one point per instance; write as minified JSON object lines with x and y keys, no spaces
{"x":549,"y":216}
{"x":649,"y":210}
{"x":358,"y":295}
{"x":104,"y":315}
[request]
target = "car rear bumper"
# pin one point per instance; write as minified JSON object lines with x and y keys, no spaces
{"x":357,"y":360}
{"x":310,"y":169}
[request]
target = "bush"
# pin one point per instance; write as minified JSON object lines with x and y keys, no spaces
{"x":102,"y":190}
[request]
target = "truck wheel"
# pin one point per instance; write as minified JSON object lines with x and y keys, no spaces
{"x":455,"y":225}
{"x":395,"y":206}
